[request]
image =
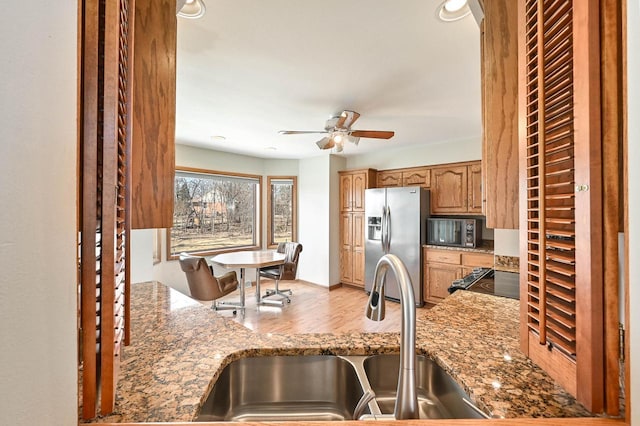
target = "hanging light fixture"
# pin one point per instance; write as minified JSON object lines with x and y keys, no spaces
{"x":190,"y":9}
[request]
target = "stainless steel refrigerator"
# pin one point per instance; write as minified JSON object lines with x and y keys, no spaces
{"x":395,"y":222}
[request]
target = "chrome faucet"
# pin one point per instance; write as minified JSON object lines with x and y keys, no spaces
{"x":406,"y":398}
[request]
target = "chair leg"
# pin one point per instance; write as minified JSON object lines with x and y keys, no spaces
{"x":277,"y":292}
{"x":227,"y":306}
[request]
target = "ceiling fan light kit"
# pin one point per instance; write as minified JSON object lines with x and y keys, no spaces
{"x":339,"y":129}
{"x":190,"y":9}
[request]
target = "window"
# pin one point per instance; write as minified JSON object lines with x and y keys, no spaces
{"x":214,"y":211}
{"x":281,"y":200}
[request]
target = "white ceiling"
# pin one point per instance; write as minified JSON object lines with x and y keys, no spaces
{"x":249,"y":68}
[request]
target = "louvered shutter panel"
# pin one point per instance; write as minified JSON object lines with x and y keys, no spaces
{"x":104,"y":169}
{"x":559,"y":134}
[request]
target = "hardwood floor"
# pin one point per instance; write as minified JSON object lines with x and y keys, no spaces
{"x":314,"y":309}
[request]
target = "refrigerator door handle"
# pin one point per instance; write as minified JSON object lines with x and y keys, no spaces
{"x":388,"y":229}
{"x":383,"y":239}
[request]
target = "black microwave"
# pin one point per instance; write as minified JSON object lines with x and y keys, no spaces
{"x":454,"y":232}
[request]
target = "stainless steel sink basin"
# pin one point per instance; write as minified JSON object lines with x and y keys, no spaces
{"x":439,"y":396}
{"x":280,"y":388}
{"x":326,"y":387}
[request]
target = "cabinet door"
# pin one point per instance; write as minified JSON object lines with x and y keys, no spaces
{"x":437,"y":279}
{"x":346,"y":265}
{"x":391,"y":178}
{"x":358,"y":267}
{"x":357,"y":241}
{"x":449,"y":190}
{"x":346,"y":191}
{"x":359,"y":184}
{"x":346,"y":229}
{"x":416,"y":177}
{"x":475,"y":203}
{"x":153,"y":114}
{"x":499,"y":74}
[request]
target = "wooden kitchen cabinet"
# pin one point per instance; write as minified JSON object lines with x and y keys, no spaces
{"x":457,"y":189}
{"x":439,"y":277}
{"x":352,"y":187}
{"x":442,"y":266}
{"x":499,"y":76}
{"x":389,"y":178}
{"x":413,"y":176}
{"x":449,"y":190}
{"x":352,"y":248}
{"x":153,"y":111}
{"x":352,"y":190}
{"x":475,"y":196}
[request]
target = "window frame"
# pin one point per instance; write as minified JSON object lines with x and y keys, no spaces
{"x":257,"y":213}
{"x":294,"y":209}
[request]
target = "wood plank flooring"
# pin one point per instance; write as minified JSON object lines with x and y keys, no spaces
{"x":314,"y":309}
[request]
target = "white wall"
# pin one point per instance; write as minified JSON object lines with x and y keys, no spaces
{"x":141,"y":255}
{"x":424,"y":155}
{"x":633,"y":182}
{"x":314,"y":184}
{"x":506,"y":242}
{"x":38,"y":376}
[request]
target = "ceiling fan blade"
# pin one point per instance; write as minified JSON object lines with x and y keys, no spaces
{"x":326,"y":143}
{"x":300,"y":132}
{"x":376,"y":134}
{"x":346,"y":119}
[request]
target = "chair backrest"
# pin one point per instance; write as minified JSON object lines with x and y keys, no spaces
{"x":292,"y":252}
{"x":202,"y":284}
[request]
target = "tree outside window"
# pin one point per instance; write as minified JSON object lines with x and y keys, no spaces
{"x":213,"y":212}
{"x":281,"y":220}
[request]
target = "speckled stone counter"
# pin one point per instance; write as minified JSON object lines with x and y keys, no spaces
{"x":485,"y":247}
{"x":179,"y":347}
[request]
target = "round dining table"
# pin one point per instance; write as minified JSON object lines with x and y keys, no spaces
{"x":250,"y":259}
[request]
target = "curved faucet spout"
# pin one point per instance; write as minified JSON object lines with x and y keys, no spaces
{"x":406,"y":399}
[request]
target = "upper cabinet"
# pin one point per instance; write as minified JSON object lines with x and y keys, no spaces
{"x":450,"y":184}
{"x":499,"y":68}
{"x":352,"y":187}
{"x":389,"y":178}
{"x":456,"y":189}
{"x":414,"y":176}
{"x":153,"y":114}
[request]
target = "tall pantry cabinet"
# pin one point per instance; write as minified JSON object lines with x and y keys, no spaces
{"x":352,"y":188}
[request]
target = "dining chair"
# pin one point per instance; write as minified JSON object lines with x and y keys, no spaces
{"x":286,"y":271}
{"x":204,"y":286}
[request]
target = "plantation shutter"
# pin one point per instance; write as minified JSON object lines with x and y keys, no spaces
{"x":103,"y":215}
{"x":561,"y":294}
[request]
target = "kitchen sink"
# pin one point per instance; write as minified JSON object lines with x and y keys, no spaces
{"x":282,"y":388}
{"x":327,"y":388}
{"x":439,"y":396}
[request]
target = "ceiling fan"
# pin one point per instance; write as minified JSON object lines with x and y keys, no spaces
{"x":339,"y":129}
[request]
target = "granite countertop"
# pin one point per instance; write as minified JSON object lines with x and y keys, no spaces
{"x":179,"y":347}
{"x":485,"y":247}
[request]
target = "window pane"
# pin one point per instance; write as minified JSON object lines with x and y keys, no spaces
{"x":213,"y":211}
{"x":281,"y":215}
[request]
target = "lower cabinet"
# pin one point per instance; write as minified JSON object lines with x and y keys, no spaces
{"x":442,"y":266}
{"x":437,"y":279}
{"x":352,"y":249}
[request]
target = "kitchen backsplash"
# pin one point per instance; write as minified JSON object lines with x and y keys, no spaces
{"x":506,"y":263}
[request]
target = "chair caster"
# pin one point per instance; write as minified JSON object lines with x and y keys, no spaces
{"x":288,"y":300}
{"x":235,"y":312}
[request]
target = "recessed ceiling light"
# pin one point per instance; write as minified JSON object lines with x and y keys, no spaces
{"x":453,"y":10}
{"x":218,"y":138}
{"x":191,"y":9}
{"x":271,"y":148}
